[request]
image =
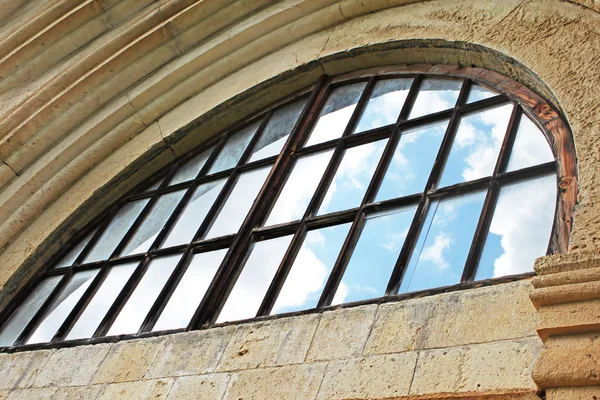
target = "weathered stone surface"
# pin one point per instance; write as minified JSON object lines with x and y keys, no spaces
{"x":342,"y":333}
{"x":77,"y":392}
{"x":574,"y":393}
{"x":32,"y":394}
{"x":190,"y":353}
{"x":264,"y":344}
{"x":369,"y":377}
{"x":21,"y":369}
{"x":72,"y":366}
{"x":128,"y":361}
{"x":141,"y":390}
{"x":282,"y":383}
{"x":211,"y":386}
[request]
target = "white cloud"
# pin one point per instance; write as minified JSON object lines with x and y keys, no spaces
{"x":435,"y":252}
{"x":340,"y":294}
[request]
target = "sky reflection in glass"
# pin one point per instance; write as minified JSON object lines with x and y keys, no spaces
{"x":336,"y":113}
{"x":190,"y":290}
{"x":299,"y":188}
{"x":385,"y":104}
{"x":62,"y":306}
{"x":191,"y":169}
{"x":530,"y":147}
{"x":478,"y":93}
{"x":134,"y":312}
{"x":233,"y":149}
{"x":476,"y":146}
{"x":375,"y":255}
{"x":439,"y":256}
{"x":70,"y":258}
{"x":435,"y":95}
{"x":412,"y":162}
{"x":193,"y":214}
{"x":520,"y":228}
{"x":352,"y":177}
{"x":238,"y":203}
{"x":95,"y":311}
{"x":250,"y":289}
{"x":277,"y":131}
{"x":310,"y":270}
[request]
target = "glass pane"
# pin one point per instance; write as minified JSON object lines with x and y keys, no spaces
{"x":352,"y":177}
{"x":435,"y":95}
{"x":299,"y":188}
{"x":191,"y":169}
{"x":153,"y":223}
{"x":154,"y":186}
{"x":479,"y":93}
{"x":134,"y":312}
{"x":193,"y":214}
{"x":26,"y":310}
{"x":476,"y":146}
{"x":412,"y":161}
{"x":62,"y":306}
{"x":375,"y":255}
{"x":520,"y":228}
{"x":385,"y":104}
{"x":312,"y":266}
{"x":104,"y":298}
{"x":530,"y":148}
{"x":238,"y":204}
{"x":234,"y":149}
{"x":277,"y":130}
{"x":336,"y":113}
{"x":71,"y":256}
{"x":114,"y":232}
{"x":439,"y":256}
{"x":251,"y":286}
{"x":189,"y":292}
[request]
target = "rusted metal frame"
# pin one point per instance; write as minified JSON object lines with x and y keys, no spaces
{"x":423,"y":207}
{"x":233,"y":262}
{"x":36,"y":320}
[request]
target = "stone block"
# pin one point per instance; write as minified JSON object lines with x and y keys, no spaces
{"x":369,"y":377}
{"x":73,"y":366}
{"x":199,"y":387}
{"x":342,"y":333}
{"x":141,"y":390}
{"x":32,"y":394}
{"x":574,"y":393}
{"x":128,"y":361}
{"x":269,"y":343}
{"x":21,"y":369}
{"x":282,"y":383}
{"x":77,"y":392}
{"x":190,"y":353}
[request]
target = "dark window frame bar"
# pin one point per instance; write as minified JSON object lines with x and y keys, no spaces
{"x":526,"y":102}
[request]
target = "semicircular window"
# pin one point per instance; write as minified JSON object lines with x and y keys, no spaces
{"x":357,"y":189}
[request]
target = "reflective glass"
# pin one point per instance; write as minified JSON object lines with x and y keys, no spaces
{"x":154,"y":186}
{"x":71,"y":256}
{"x":251,"y":286}
{"x":374,"y":257}
{"x":336,"y":113}
{"x":277,"y":130}
{"x":238,"y":204}
{"x":439,"y":256}
{"x":193,"y":213}
{"x":97,"y":308}
{"x":22,"y":315}
{"x":62,"y":306}
{"x":476,"y":146}
{"x":352,"y":177}
{"x":530,"y":147}
{"x":478,"y":93}
{"x":190,"y":290}
{"x":116,"y":230}
{"x":191,"y":168}
{"x":435,"y":95}
{"x":153,"y":223}
{"x":311,"y":268}
{"x":520,"y":228}
{"x":299,"y":188}
{"x":138,"y":305}
{"x":412,"y":162}
{"x":385,"y":104}
{"x":234,"y":149}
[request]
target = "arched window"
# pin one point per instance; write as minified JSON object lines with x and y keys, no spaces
{"x":368,"y":186}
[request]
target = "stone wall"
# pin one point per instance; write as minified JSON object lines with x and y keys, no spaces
{"x":474,"y":341}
